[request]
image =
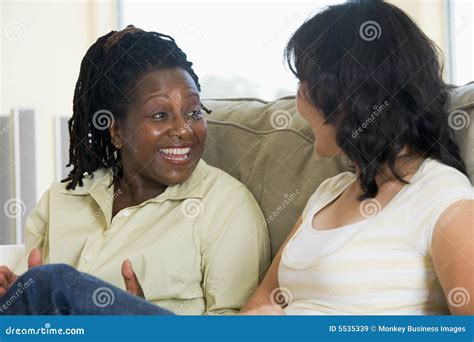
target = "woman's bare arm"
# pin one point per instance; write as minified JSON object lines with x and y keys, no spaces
{"x":453,"y":254}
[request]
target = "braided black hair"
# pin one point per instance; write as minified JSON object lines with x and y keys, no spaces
{"x":109,"y":71}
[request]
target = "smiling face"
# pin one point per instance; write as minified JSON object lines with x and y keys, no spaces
{"x":324,"y":133}
{"x":161,"y":138}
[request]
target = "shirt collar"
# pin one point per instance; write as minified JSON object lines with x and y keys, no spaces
{"x":99,"y":183}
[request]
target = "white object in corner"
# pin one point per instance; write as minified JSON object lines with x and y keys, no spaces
{"x":11,"y":255}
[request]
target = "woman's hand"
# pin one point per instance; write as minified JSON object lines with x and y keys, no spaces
{"x":266,"y":310}
{"x":8,"y":278}
{"x":131,"y":281}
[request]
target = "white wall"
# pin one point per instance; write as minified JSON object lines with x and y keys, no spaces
{"x":42,"y":46}
{"x":431,"y":16}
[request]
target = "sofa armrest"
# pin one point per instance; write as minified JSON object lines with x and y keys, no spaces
{"x":11,"y":255}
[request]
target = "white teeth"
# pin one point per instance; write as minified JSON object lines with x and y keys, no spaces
{"x":175,"y":151}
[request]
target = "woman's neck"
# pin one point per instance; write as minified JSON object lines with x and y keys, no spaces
{"x":406,"y":165}
{"x":137,"y":189}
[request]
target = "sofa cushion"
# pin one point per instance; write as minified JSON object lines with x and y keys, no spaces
{"x":268,"y":146}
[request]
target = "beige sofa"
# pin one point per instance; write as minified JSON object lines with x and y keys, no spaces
{"x":269,"y":148}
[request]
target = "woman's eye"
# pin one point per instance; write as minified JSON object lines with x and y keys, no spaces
{"x":159,"y":115}
{"x":196,"y":114}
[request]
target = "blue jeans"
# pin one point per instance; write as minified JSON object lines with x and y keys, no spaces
{"x":59,"y":289}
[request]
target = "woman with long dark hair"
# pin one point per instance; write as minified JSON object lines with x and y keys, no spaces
{"x":396,"y":235}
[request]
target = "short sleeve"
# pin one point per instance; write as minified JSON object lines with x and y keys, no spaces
{"x":438,"y":197}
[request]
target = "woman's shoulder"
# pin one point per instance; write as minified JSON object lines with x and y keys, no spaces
{"x":328,"y":188}
{"x":435,"y":176}
{"x":216,"y":180}
{"x":89,"y":182}
{"x":333,"y":185}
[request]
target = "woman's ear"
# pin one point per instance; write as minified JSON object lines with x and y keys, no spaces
{"x":115,"y":135}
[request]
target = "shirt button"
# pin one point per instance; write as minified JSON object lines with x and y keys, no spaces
{"x":126,"y":213}
{"x":87,"y":259}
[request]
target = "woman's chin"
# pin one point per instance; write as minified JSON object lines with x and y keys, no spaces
{"x":320,"y":151}
{"x":175,"y":173}
{"x":327,"y":151}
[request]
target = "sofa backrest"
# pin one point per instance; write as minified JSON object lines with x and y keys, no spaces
{"x":269,"y":147}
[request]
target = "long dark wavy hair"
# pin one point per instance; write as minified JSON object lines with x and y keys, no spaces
{"x":109,"y":72}
{"x":377,"y":77}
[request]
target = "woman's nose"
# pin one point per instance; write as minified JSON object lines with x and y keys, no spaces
{"x":182,"y":128}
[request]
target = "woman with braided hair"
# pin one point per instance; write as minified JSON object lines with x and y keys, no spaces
{"x":139,"y":194}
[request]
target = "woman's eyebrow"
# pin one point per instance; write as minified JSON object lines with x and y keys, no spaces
{"x":166,"y":97}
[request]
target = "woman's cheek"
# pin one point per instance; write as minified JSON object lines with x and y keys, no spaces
{"x":200,"y":130}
